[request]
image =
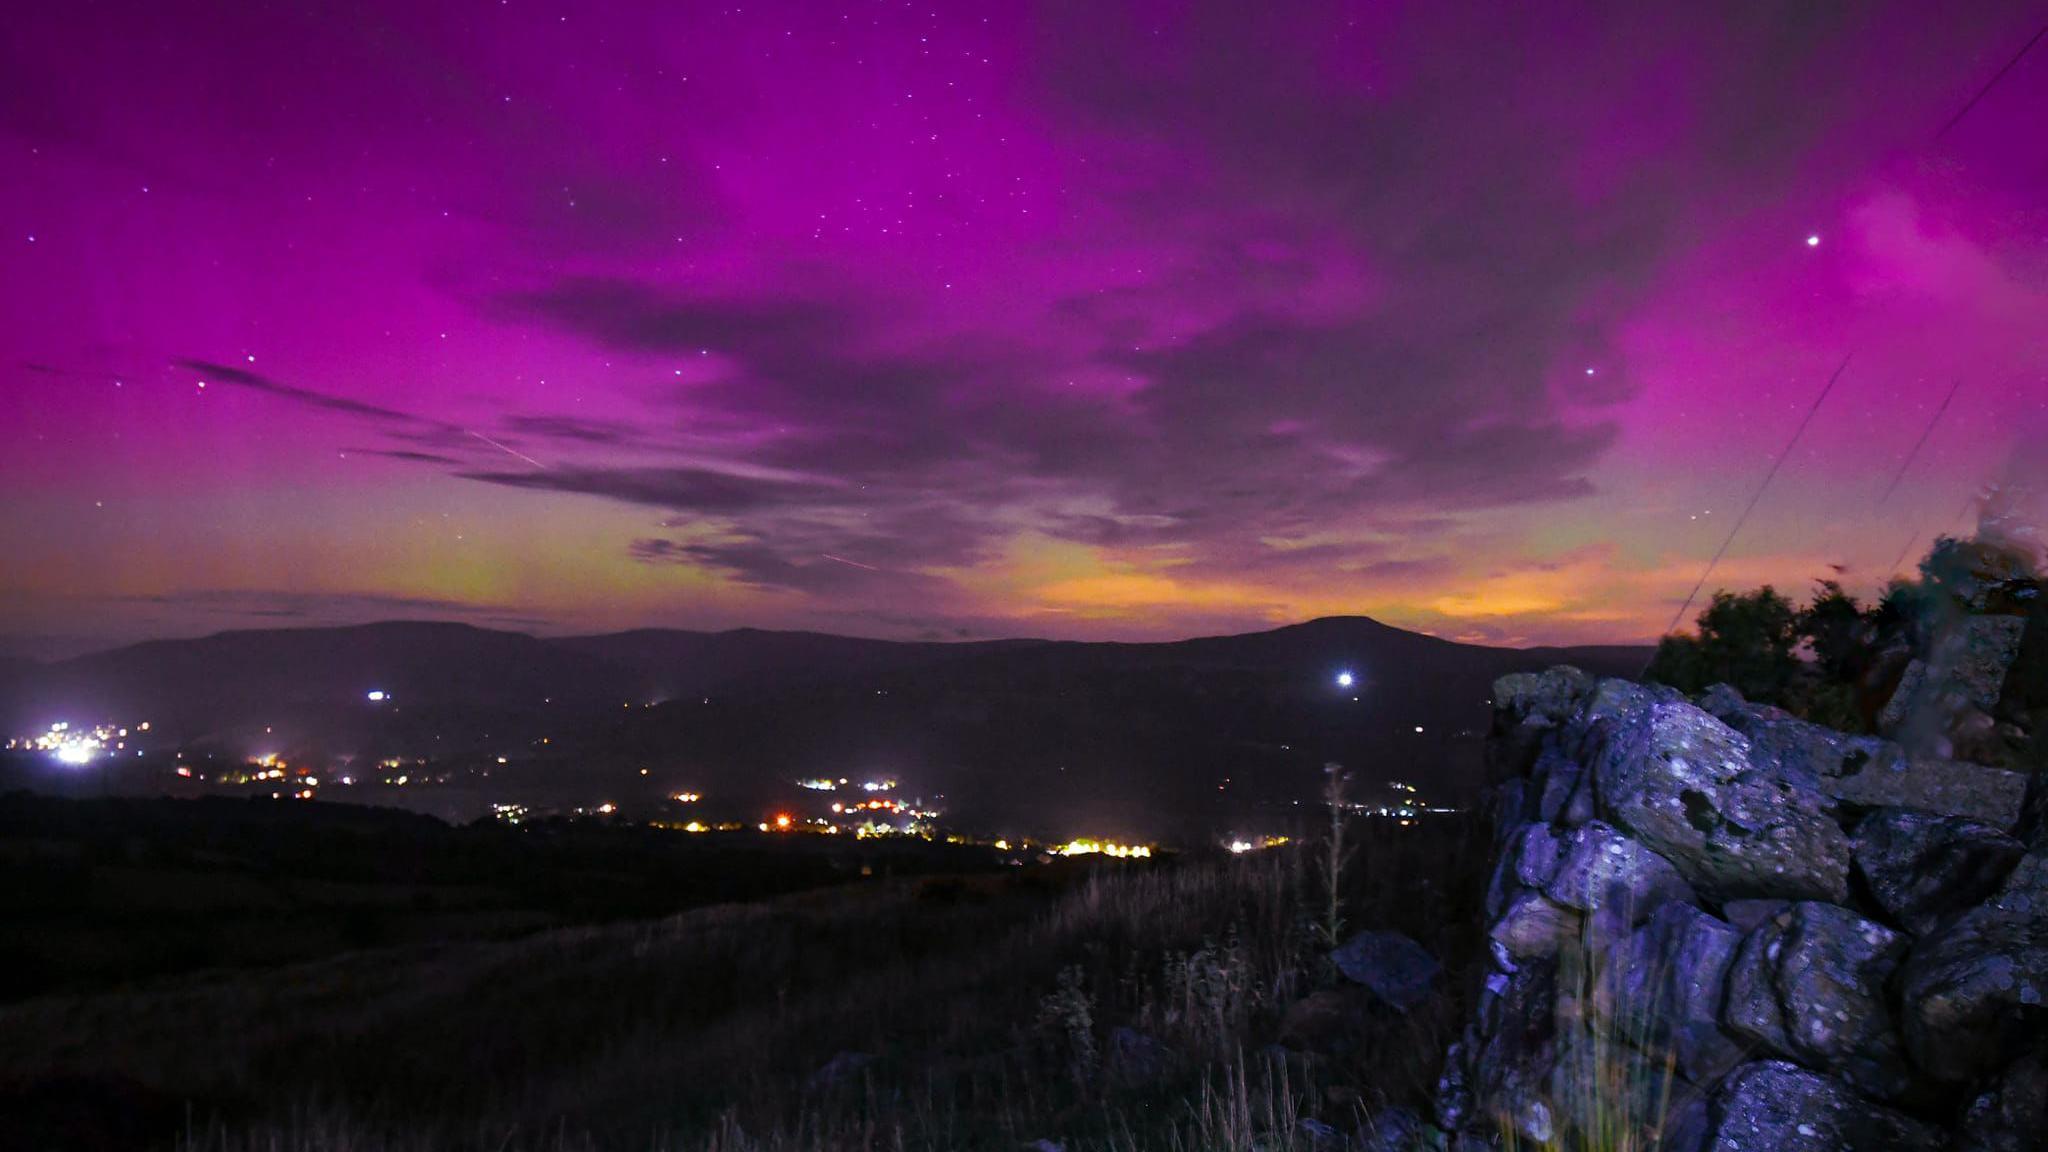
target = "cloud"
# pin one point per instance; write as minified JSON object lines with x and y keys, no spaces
{"x":256,"y":382}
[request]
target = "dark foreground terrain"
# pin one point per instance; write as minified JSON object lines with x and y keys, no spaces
{"x":1119,"y":1004}
{"x":101,"y":892}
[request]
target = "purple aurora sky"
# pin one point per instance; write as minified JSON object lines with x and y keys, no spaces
{"x":1083,"y":319}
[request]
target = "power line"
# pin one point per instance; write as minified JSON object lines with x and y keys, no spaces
{"x":1962,"y":512}
{"x":1760,"y":490}
{"x":1921,"y":443}
{"x":1990,"y":84}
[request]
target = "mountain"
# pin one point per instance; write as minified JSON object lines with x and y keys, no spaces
{"x":1124,"y":738}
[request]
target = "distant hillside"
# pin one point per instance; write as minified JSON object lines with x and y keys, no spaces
{"x":1128,"y":738}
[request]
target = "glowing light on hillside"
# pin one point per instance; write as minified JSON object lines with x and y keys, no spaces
{"x":75,"y":754}
{"x":1104,"y":848}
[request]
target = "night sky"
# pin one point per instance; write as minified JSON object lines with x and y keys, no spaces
{"x":927,"y":320}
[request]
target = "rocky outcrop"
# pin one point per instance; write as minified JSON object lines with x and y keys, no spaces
{"x":1722,"y":927}
{"x":1977,"y":993}
{"x":1772,"y":1106}
{"x":1921,"y":868}
{"x":1687,"y":787}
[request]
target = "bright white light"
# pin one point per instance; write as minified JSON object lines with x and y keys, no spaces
{"x":75,"y":754}
{"x":1813,"y":241}
{"x":1345,"y":679}
{"x":379,"y":696}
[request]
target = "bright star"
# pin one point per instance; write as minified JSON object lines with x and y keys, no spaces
{"x":1813,"y":241}
{"x":1344,"y":679}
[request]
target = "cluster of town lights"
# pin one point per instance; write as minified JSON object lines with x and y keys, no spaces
{"x":77,"y":746}
{"x":1104,"y":848}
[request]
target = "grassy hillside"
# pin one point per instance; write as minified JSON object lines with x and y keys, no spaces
{"x":1115,"y":1007}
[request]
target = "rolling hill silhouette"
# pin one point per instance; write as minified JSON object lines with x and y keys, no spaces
{"x":1130,"y":738}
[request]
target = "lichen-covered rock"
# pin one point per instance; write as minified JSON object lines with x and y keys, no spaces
{"x":1922,"y":868}
{"x":1602,"y":869}
{"x":1541,"y":699}
{"x":1948,"y":787}
{"x":1749,"y":915}
{"x":1978,"y":655}
{"x":1533,"y":926}
{"x":1562,"y":796}
{"x":1600,"y":1092}
{"x":1905,"y":698}
{"x":2013,"y":1115}
{"x":1811,"y":984}
{"x":1535,"y":852}
{"x":1505,"y":997}
{"x":1511,"y":1076}
{"x":1663,"y":988}
{"x":1806,"y":752}
{"x":1975,"y":992}
{"x":1394,"y":969}
{"x":1724,"y":702}
{"x":1964,"y":669}
{"x":1772,"y":1106}
{"x":1685,"y":785}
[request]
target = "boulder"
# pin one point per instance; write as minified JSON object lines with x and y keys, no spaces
{"x":1976,"y":991}
{"x":1663,"y":988}
{"x":1685,"y":785}
{"x":1511,"y":1063}
{"x":1806,"y":752}
{"x":1541,"y":699}
{"x":1949,"y":787}
{"x":1749,"y":915}
{"x":1394,"y":969}
{"x":1811,"y":984}
{"x":1724,"y":702}
{"x":1602,"y":869}
{"x":1602,"y":1094}
{"x":1750,"y":1009}
{"x":1905,"y":698}
{"x":1512,"y":1077}
{"x":1506,"y":997}
{"x":2013,"y":1115}
{"x":1772,"y":1106}
{"x":1979,"y":653}
{"x":1535,"y":853}
{"x":1920,"y":867}
{"x":1533,"y":927}
{"x":1561,"y":793}
{"x":1964,"y":669}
